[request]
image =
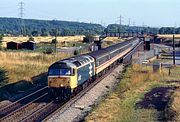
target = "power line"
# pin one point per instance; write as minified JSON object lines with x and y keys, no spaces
{"x":120,"y":20}
{"x":129,"y":21}
{"x":120,"y":23}
{"x":134,"y":23}
{"x":21,"y":14}
{"x":21,"y":8}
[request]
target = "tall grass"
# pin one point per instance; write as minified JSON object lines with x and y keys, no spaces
{"x":176,"y":105}
{"x":121,"y":104}
{"x":25,"y":65}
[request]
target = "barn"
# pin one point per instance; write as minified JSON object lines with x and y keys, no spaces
{"x":14,"y":45}
{"x":30,"y":45}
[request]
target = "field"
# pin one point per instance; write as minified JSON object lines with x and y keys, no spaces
{"x":23,"y":65}
{"x":141,"y":96}
{"x":170,"y":36}
{"x":39,"y":39}
{"x":111,"y":40}
{"x":21,"y":70}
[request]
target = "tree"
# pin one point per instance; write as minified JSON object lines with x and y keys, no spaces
{"x":31,"y":39}
{"x":89,"y":38}
{"x":44,"y":32}
{"x":76,"y":52}
{"x":66,"y":32}
{"x":45,"y":27}
{"x":1,"y":38}
{"x":34,"y":33}
{"x":3,"y":77}
{"x":54,"y":41}
{"x":54,"y":32}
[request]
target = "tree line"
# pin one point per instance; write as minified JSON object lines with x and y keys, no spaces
{"x":138,"y":29}
{"x":31,"y":27}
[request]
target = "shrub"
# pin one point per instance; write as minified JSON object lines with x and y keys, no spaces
{"x":54,"y":41}
{"x":76,"y":52}
{"x":48,"y":51}
{"x":31,"y":38}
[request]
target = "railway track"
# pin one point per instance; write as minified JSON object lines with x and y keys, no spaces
{"x":42,"y":108}
{"x":27,"y":109}
{"x":46,"y":112}
{"x":21,"y":102}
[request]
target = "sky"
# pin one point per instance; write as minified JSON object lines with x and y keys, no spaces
{"x":154,"y":13}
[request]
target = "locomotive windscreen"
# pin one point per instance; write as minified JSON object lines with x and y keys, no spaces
{"x":60,"y":72}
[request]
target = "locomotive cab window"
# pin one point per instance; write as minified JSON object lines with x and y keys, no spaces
{"x":61,"y":72}
{"x":53,"y":72}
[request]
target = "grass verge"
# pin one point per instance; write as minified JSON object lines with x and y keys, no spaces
{"x":123,"y":104}
{"x":25,"y":65}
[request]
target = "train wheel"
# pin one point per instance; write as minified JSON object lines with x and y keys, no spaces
{"x":85,"y":85}
{"x":52,"y":94}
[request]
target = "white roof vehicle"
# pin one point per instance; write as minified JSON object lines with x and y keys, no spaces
{"x":145,"y":62}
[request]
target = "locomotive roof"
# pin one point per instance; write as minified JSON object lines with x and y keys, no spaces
{"x":76,"y":61}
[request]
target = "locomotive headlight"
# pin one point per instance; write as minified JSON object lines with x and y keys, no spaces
{"x":61,"y":85}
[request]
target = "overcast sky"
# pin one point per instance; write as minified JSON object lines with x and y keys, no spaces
{"x":150,"y":12}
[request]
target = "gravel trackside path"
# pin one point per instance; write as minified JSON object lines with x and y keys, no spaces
{"x":82,"y":106}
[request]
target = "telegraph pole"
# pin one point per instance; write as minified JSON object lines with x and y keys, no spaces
{"x":174,"y":58}
{"x":21,"y":14}
{"x":56,"y":43}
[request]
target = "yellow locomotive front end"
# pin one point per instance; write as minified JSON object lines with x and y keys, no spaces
{"x":57,"y":82}
{"x":62,"y":79}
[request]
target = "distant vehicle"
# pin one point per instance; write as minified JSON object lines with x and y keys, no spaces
{"x":145,"y":62}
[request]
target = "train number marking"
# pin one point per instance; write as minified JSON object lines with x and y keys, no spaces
{"x":79,"y":77}
{"x":90,"y":70}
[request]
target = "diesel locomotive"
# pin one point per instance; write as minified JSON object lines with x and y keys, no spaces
{"x":69,"y":76}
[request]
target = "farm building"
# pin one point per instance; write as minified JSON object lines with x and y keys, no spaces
{"x":14,"y":45}
{"x":30,"y":45}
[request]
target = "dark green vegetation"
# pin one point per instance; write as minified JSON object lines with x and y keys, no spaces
{"x":1,"y":38}
{"x":3,"y":77}
{"x":64,"y":28}
{"x":47,"y":27}
{"x":152,"y":30}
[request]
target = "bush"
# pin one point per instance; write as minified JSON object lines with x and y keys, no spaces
{"x":76,"y":52}
{"x":3,"y":77}
{"x":54,"y":41}
{"x":31,"y":39}
{"x":48,"y":51}
{"x":1,"y":46}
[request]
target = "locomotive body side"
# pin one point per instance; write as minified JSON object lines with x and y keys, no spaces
{"x":85,"y":72}
{"x":66,"y":76}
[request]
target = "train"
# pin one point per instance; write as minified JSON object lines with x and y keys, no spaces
{"x":68,"y":77}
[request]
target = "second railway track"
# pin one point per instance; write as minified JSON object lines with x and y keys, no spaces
{"x":27,"y":109}
{"x":52,"y":108}
{"x":42,"y":108}
{"x":21,"y":102}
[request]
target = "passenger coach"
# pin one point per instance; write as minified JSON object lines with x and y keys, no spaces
{"x":68,"y":77}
